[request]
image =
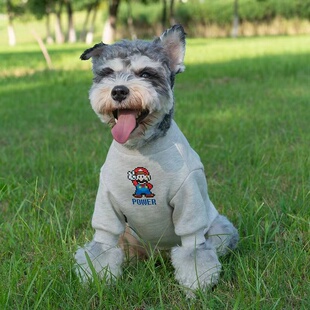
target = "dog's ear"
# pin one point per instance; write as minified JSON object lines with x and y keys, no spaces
{"x":96,"y":50}
{"x":173,"y":41}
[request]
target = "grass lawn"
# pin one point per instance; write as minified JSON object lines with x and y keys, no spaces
{"x":243,"y":104}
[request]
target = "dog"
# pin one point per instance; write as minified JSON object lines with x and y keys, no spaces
{"x":152,"y":189}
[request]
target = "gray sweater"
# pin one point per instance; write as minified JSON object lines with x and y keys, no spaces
{"x":160,"y":190}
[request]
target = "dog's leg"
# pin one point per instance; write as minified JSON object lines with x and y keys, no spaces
{"x":98,"y":258}
{"x":199,"y":268}
{"x":131,"y":245}
{"x":222,"y":235}
{"x":195,"y":268}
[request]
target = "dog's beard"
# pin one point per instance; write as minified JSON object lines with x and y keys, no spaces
{"x":134,"y":119}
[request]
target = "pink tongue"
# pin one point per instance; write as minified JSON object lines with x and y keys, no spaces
{"x":126,"y":123}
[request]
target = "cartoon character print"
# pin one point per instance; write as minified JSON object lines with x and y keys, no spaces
{"x":140,"y":178}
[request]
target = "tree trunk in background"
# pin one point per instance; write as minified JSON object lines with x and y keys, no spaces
{"x":109,"y":29}
{"x":90,"y":32}
{"x":164,"y":15}
{"x":235,"y":28}
{"x":71,"y":30}
{"x":83,"y":32}
{"x":130,"y":25}
{"x":49,"y":38}
{"x":171,"y":13}
{"x":59,"y":36}
{"x":11,"y":31}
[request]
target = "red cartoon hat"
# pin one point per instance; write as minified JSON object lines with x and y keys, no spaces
{"x":141,"y":170}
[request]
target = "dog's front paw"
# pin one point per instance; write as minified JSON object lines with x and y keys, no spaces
{"x":195,"y":268}
{"x":100,"y":259}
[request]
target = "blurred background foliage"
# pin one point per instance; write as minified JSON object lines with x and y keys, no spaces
{"x":107,"y":20}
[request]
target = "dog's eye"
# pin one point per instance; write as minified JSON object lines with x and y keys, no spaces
{"x":148,"y":73}
{"x":105,"y":72}
{"x":145,"y":75}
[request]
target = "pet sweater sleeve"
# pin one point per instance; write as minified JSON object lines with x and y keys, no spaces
{"x":193,"y":212}
{"x":108,"y":222}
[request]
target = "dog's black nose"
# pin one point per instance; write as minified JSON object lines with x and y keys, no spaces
{"x":119,"y":93}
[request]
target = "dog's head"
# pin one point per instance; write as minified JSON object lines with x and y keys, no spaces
{"x":133,"y":82}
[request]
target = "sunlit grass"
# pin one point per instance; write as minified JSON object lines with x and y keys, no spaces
{"x":217,"y":50}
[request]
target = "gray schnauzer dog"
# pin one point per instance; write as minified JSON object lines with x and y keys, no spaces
{"x":152,"y":189}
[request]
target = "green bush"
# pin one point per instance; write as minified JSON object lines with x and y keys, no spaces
{"x":143,"y":15}
{"x":220,"y":12}
{"x":204,"y":12}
